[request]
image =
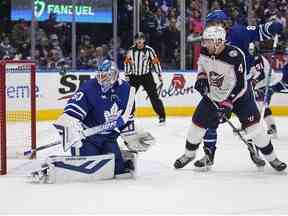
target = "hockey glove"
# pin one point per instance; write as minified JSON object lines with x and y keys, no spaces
{"x":202,"y":84}
{"x":224,"y":110}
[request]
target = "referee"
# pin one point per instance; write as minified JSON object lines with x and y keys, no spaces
{"x":138,"y":69}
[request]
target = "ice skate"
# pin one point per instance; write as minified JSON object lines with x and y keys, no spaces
{"x":162,"y":121}
{"x":254,"y":155}
{"x":40,"y":176}
{"x":130,"y":162}
{"x":278,"y":165}
{"x":207,"y":161}
{"x":183,"y":161}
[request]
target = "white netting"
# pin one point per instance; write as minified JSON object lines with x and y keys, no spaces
{"x":18,"y":108}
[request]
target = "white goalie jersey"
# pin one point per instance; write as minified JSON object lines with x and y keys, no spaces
{"x":226,"y":73}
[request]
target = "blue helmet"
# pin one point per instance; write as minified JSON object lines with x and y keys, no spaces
{"x":217,"y":16}
{"x":107,"y":74}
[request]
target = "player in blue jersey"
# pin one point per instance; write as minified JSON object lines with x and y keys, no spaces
{"x":278,"y":84}
{"x":224,"y":68}
{"x":238,"y":35}
{"x":105,"y":101}
{"x":260,"y":72}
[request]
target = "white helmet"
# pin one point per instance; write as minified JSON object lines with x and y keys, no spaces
{"x":214,"y":33}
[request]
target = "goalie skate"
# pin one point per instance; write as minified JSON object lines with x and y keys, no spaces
{"x":131,"y":162}
{"x":278,"y":165}
{"x":40,"y":176}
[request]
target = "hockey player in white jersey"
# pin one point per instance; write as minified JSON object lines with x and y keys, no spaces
{"x":224,"y":69}
{"x":260,"y":72}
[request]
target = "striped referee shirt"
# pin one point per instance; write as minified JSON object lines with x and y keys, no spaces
{"x":139,"y":61}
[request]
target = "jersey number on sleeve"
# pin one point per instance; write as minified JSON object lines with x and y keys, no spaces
{"x":77,"y":96}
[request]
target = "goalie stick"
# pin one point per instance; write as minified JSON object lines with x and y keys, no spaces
{"x":86,"y":133}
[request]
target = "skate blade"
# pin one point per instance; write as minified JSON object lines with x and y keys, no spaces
{"x":260,"y":168}
{"x":33,"y":179}
{"x":203,"y":169}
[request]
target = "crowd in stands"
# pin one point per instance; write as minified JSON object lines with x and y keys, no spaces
{"x":160,"y":21}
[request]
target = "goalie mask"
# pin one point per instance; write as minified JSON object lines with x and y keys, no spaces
{"x":107,"y":74}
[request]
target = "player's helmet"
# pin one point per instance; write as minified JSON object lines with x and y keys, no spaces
{"x":213,"y":38}
{"x":216,"y":16}
{"x":107,"y":74}
{"x":215,"y":33}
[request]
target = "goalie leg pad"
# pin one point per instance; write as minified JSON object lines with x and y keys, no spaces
{"x":62,"y":169}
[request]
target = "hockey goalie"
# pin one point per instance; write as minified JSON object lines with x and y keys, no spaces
{"x":91,"y":123}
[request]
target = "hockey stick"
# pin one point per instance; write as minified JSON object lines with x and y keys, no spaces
{"x":268,"y":79}
{"x":253,"y":151}
{"x":32,"y":151}
{"x":86,"y":133}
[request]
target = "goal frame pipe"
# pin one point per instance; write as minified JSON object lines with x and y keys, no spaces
{"x":3,"y":168}
{"x":33,"y":107}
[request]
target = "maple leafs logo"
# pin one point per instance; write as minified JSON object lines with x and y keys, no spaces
{"x":113,"y":114}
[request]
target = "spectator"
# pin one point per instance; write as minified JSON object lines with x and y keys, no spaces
{"x":83,"y":60}
{"x":98,"y":57}
{"x":6,"y":49}
{"x":55,"y":44}
{"x":196,"y":27}
{"x":86,"y":44}
{"x":55,"y":60}
{"x":25,"y":50}
{"x":20,"y":33}
{"x":174,"y":15}
{"x":171,"y":39}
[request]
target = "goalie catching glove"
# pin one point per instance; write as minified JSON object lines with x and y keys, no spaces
{"x":136,"y":139}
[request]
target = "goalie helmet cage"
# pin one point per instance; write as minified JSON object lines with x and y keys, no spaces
{"x":17,"y":109}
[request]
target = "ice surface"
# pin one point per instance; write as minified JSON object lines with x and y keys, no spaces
{"x":234,"y":185}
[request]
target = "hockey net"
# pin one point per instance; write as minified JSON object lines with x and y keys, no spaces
{"x":17,"y":110}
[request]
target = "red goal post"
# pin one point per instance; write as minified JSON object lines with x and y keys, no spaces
{"x":17,"y":109}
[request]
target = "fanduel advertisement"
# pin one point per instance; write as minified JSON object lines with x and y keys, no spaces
{"x":87,"y":11}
